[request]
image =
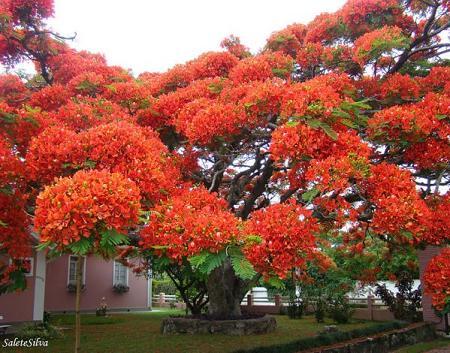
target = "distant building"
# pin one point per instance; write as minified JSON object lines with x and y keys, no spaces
{"x":51,"y":284}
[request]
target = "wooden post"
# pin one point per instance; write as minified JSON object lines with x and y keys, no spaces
{"x":77,"y":303}
{"x":249,"y":300}
{"x":370,"y":306}
{"x":277,"y":300}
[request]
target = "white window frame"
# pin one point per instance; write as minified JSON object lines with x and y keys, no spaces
{"x":83,"y":274}
{"x":114,"y":273}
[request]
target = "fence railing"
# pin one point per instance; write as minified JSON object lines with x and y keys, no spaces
{"x":365,"y":308}
{"x":165,"y":300}
{"x":362,"y":302}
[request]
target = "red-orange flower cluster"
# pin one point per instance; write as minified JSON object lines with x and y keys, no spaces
{"x":400,"y":86}
{"x":83,"y":205}
{"x":400,"y":211}
{"x":15,"y":240}
{"x":363,"y":15}
{"x":189,"y":223}
{"x":287,"y":233}
{"x":25,"y":9}
{"x":203,"y":120}
{"x":372,"y":44}
{"x":135,"y":152}
{"x":437,"y":280}
{"x":439,"y":227}
{"x":262,"y":67}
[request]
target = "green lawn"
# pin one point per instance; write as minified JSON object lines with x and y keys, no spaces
{"x":426,"y":346}
{"x":139,"y":333}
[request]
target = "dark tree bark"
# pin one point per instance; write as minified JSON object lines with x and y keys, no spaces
{"x":225,"y":292}
{"x":192,"y":289}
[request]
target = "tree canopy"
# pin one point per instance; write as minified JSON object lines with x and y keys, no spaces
{"x":334,"y":136}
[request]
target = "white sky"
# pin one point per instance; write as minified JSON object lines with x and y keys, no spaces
{"x":148,"y":35}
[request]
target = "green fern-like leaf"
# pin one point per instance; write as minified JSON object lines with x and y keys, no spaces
{"x":329,"y":131}
{"x":241,"y":266}
{"x":113,"y":237}
{"x":81,"y":247}
{"x":309,"y":195}
{"x":206,"y":262}
{"x":110,"y":239}
{"x":43,"y":245}
{"x":275,"y":282}
{"x":198,"y":260}
{"x":212,"y":262}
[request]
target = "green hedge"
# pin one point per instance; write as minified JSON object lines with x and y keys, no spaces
{"x":163,"y":286}
{"x":325,"y":339}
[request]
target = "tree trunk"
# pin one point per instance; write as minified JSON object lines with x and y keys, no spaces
{"x":225,"y":292}
{"x":77,"y":304}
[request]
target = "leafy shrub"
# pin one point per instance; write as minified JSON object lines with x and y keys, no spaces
{"x":405,"y":304}
{"x":46,"y":318}
{"x":324,"y":340}
{"x":100,"y":311}
{"x":164,"y":286}
{"x":319,"y":311}
{"x":39,"y":330}
{"x":295,"y":308}
{"x":340,"y":310}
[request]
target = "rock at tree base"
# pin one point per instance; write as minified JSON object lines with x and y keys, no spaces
{"x":237,"y":327}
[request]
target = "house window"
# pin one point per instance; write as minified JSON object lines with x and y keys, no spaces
{"x":73,"y":270}
{"x":120,"y":273}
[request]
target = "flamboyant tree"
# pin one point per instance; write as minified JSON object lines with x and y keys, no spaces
{"x":245,"y":165}
{"x":89,"y":213}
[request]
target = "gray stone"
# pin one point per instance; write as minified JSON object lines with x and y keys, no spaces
{"x":380,"y":344}
{"x":360,"y":347}
{"x":395,"y":340}
{"x":174,"y":325}
{"x":330,"y":328}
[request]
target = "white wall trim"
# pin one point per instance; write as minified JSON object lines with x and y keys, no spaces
{"x":149,"y":289}
{"x":39,"y":286}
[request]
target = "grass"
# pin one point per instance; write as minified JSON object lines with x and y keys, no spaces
{"x":139,"y":333}
{"x":425,"y":346}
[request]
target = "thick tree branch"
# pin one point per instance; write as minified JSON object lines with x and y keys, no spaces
{"x":236,"y":185}
{"x":424,"y":38}
{"x":258,"y":189}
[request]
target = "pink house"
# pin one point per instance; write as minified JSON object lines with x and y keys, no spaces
{"x":29,"y":304}
{"x":50,"y":287}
